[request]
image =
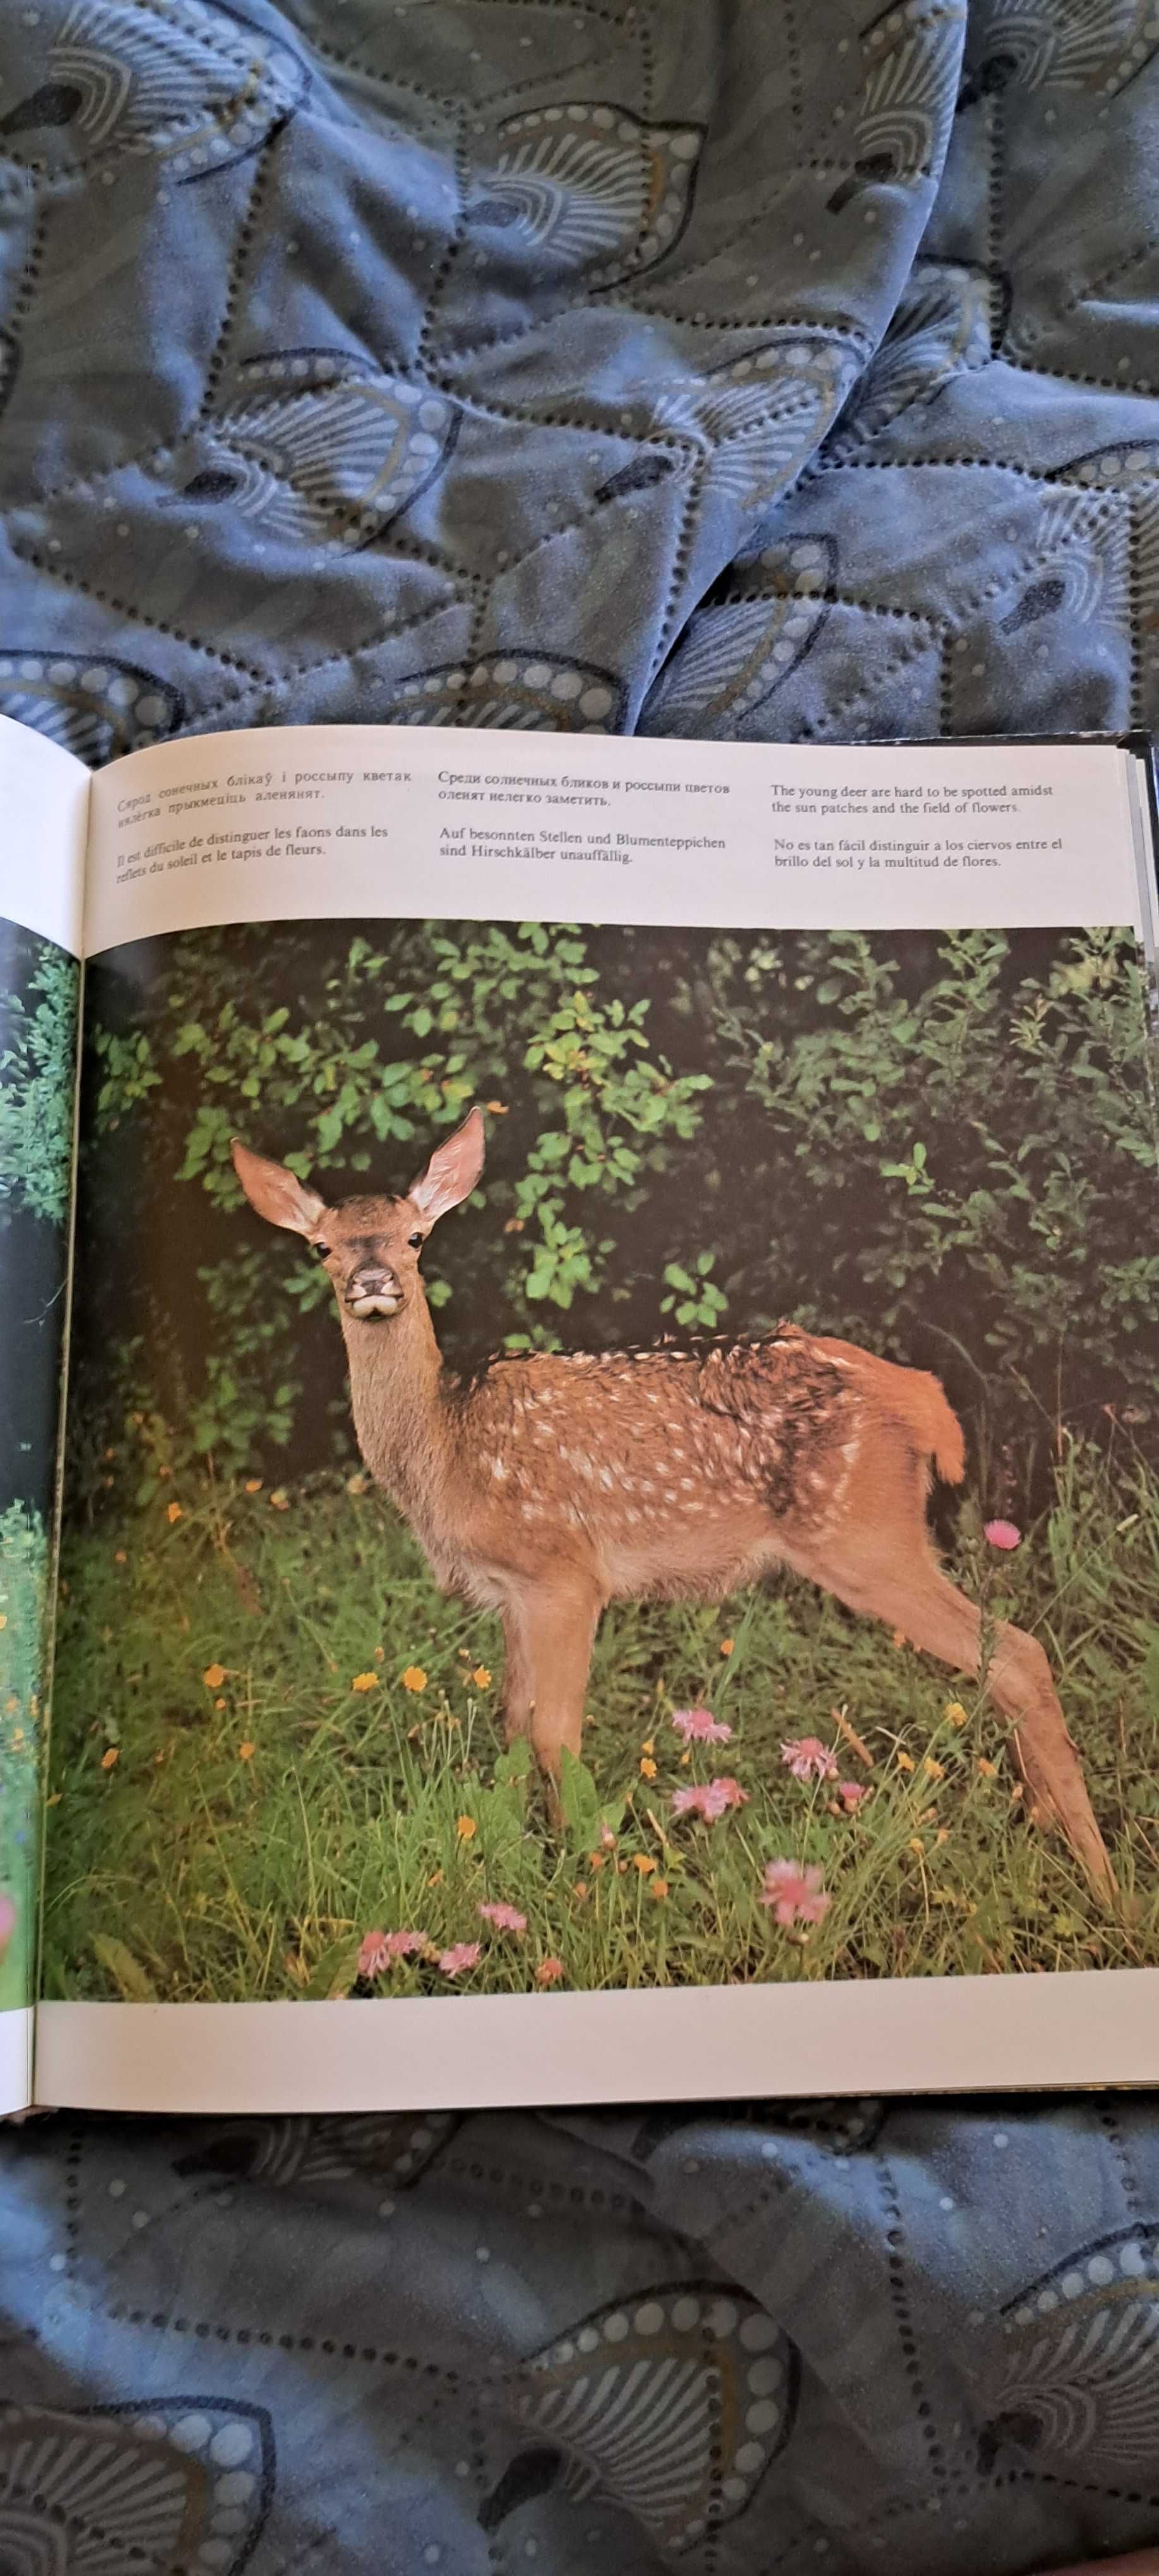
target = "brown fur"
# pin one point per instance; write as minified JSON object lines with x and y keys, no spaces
{"x":553,"y":1483}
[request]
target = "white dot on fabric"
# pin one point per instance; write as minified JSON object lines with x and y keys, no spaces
{"x":231,"y":2445}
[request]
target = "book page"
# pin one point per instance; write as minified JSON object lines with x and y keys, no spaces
{"x":398,"y":822}
{"x":612,"y":1484}
{"x":43,"y":813}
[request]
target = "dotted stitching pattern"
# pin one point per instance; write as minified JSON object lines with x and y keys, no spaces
{"x":108,"y":599}
{"x":262,"y":170}
{"x":899,"y":2301}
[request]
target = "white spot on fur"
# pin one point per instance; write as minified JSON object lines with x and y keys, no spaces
{"x":688,"y":1484}
{"x":498,"y":1470}
{"x":631,"y":1517}
{"x":670,"y":1497}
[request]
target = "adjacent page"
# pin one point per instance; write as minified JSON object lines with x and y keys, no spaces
{"x":784,"y":1119}
{"x":43,"y":818}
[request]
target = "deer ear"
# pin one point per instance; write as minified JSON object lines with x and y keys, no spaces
{"x":276,"y":1193}
{"x":452,"y":1171}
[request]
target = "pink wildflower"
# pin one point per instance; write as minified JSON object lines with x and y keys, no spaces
{"x":549,"y":1972}
{"x":462,"y":1954}
{"x":710,"y":1799}
{"x":380,"y":1950}
{"x":1003,"y":1534}
{"x":808,"y":1759}
{"x":699,"y":1726}
{"x":795,"y":1894}
{"x":851,"y":1793}
{"x":506,"y":1918}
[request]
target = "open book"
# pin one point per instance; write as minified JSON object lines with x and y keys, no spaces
{"x":580,"y":1419}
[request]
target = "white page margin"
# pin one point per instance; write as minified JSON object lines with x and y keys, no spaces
{"x":44,"y":816}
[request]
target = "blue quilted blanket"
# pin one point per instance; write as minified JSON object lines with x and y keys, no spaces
{"x":778,"y":371}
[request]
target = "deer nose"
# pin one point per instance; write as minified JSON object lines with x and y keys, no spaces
{"x":373,"y":1290}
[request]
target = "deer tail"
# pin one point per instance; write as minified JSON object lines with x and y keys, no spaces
{"x":935,"y":1425}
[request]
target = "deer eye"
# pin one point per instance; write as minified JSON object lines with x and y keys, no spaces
{"x":416,"y":1242}
{"x":322,"y":1251}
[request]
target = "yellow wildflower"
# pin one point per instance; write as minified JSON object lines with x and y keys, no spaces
{"x":989,"y":1770}
{"x":414,"y":1678}
{"x":955,"y":1713}
{"x":644,"y":1863}
{"x":253,"y":1484}
{"x":110,"y":1756}
{"x":649,"y":1744}
{"x":246,"y":1751}
{"x":17,"y":1738}
{"x":481,"y":1677}
{"x":213,"y":1676}
{"x":219,"y":1703}
{"x":899,"y":1638}
{"x":905,"y":1762}
{"x":916,"y":1843}
{"x":465,"y":1828}
{"x":726,"y":1645}
{"x":435,"y":1879}
{"x":933,"y":1770}
{"x":647,"y":1767}
{"x":11,"y":1704}
{"x":3,"y":1618}
{"x":121,"y":1557}
{"x":659,"y":1887}
{"x":581,"y":1889}
{"x":497,"y":1108}
{"x":597,"y":1860}
{"x":364,"y":1682}
{"x":173,"y":1512}
{"x":942,"y":1835}
{"x":280,"y":1501}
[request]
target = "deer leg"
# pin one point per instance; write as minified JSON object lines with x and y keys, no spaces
{"x":518,"y":1676}
{"x":918,"y":1598}
{"x":559,"y":1629}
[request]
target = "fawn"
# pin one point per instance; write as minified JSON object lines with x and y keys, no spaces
{"x":554,"y":1482}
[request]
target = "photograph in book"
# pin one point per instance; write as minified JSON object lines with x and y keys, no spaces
{"x":608,"y":1458}
{"x":38,"y":1023}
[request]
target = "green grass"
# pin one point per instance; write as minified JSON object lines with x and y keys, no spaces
{"x":246,"y":1832}
{"x":23,"y":1566}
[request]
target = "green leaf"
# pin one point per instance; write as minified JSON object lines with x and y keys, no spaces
{"x":128,"y":1976}
{"x":579,"y":1804}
